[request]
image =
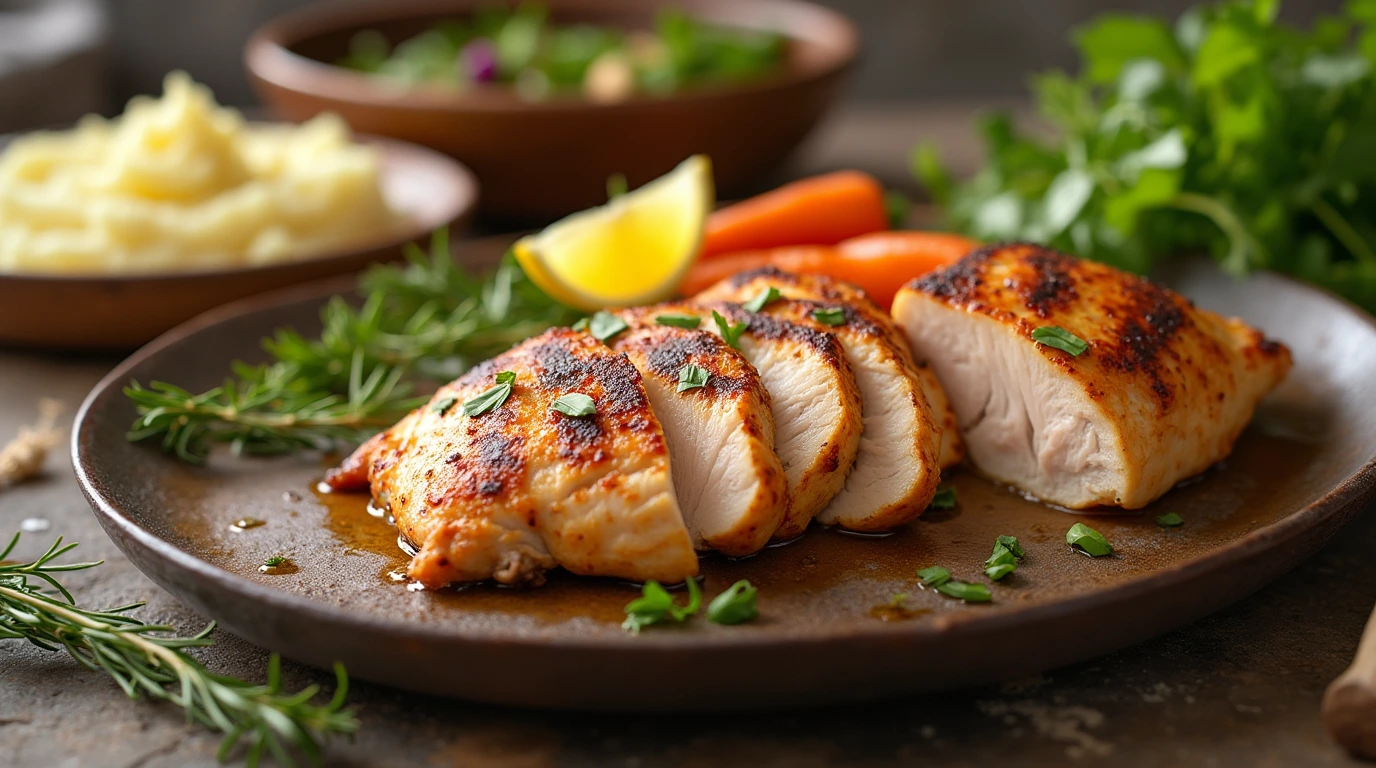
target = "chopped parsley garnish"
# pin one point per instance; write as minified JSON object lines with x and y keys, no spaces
{"x":491,"y":398}
{"x":934,"y":576}
{"x":830,"y":316}
{"x":730,"y":332}
{"x":581,"y":325}
{"x":575,"y":404}
{"x":443,"y":405}
{"x":1088,"y":540}
{"x":945,"y":498}
{"x":692,"y":377}
{"x":762,"y":299}
{"x":1170,"y":520}
{"x":656,"y":606}
{"x":271,"y":563}
{"x":970,"y":593}
{"x":996,"y":572}
{"x":1011,"y":544}
{"x":734,"y":606}
{"x":940,"y":579}
{"x":604,"y":326}
{"x":1060,"y":338}
{"x":1004,"y":560}
{"x":679,"y":321}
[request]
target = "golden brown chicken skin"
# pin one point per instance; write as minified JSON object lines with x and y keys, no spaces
{"x":513,"y":492}
{"x":1162,"y":392}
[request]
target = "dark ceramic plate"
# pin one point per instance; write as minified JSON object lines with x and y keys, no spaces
{"x":827,"y":631}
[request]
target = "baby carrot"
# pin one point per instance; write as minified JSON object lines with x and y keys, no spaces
{"x":802,"y":259}
{"x":822,"y":210}
{"x":880,"y":262}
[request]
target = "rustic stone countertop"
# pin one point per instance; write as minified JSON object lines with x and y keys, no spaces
{"x":1240,"y":688}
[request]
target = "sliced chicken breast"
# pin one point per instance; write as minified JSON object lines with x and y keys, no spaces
{"x":896,"y":471}
{"x":1161,"y":393}
{"x":825,"y":290}
{"x":816,"y":403}
{"x":511,"y":492}
{"x":730,"y":483}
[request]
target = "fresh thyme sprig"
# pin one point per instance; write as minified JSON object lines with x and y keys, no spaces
{"x":147,"y":660}
{"x":427,"y":320}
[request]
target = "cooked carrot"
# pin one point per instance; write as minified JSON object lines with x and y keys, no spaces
{"x":822,"y":210}
{"x":802,"y":259}
{"x":880,"y":262}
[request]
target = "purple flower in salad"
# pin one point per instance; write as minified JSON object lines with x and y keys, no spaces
{"x":478,"y":61}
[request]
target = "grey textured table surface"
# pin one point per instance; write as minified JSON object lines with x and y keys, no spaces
{"x":1241,"y":688}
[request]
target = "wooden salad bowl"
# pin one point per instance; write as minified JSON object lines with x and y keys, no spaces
{"x":540,"y":160}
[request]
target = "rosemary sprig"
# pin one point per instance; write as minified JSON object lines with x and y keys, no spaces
{"x":146,"y":660}
{"x":425,"y":321}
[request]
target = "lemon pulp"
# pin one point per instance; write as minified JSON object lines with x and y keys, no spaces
{"x":633,"y":250}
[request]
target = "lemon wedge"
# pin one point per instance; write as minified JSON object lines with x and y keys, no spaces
{"x":633,"y":250}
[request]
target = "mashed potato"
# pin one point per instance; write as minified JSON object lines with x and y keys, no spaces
{"x":181,"y":184}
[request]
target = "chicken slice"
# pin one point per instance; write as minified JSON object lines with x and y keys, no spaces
{"x":1161,"y":393}
{"x":730,"y":483}
{"x":514,"y":491}
{"x":825,"y":290}
{"x":896,"y":470}
{"x":816,"y":403}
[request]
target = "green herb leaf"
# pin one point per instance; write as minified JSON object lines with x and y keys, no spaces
{"x":970,"y":593}
{"x":679,"y":321}
{"x":443,"y":405}
{"x":996,"y":572}
{"x":575,"y":404}
{"x":832,"y":316}
{"x":1088,"y":540}
{"x":604,"y":326}
{"x":1011,"y":544}
{"x":1170,"y":520}
{"x":762,"y":299}
{"x":581,"y":325}
{"x":274,"y":561}
{"x":1060,"y":338}
{"x":491,"y":398}
{"x":149,"y":661}
{"x":423,"y":321}
{"x":934,"y":576}
{"x":1234,"y":134}
{"x":1002,"y":556}
{"x":657,"y":606}
{"x":734,"y":606}
{"x":692,"y":377}
{"x":616,"y":186}
{"x":1004,"y":560}
{"x":897,"y":208}
{"x":730,"y":332}
{"x":945,"y":498}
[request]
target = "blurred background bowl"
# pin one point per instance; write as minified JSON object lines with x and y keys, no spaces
{"x":538,"y":160}
{"x":120,"y":312}
{"x":53,"y":62}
